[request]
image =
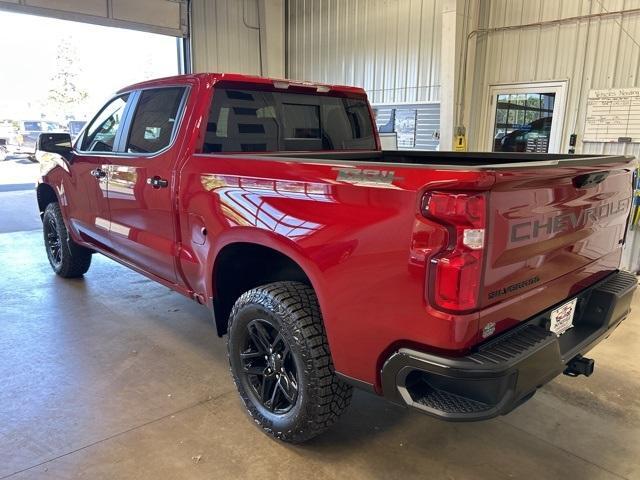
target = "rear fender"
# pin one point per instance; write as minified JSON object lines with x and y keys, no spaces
{"x":263,"y":238}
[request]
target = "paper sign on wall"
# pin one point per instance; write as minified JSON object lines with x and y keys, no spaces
{"x":613,"y":115}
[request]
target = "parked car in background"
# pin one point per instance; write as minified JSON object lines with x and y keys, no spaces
{"x":6,"y":135}
{"x":532,"y":137}
{"x":75,"y":127}
{"x":3,"y":149}
{"x":453,"y":283}
{"x":28,"y":133}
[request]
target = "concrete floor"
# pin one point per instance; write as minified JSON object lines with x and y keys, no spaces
{"x":115,"y":377}
{"x":18,"y":210}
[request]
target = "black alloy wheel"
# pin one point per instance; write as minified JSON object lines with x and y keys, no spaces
{"x":67,"y":258}
{"x":53,"y":242}
{"x":269,"y":367}
{"x":281,"y":363}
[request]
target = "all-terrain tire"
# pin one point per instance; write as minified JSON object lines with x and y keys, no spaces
{"x":67,"y":258}
{"x":292,"y":309}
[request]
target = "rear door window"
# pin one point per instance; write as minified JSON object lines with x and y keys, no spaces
{"x":155,"y":120}
{"x":256,"y":121}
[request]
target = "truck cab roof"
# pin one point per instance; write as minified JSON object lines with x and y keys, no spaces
{"x":245,"y":80}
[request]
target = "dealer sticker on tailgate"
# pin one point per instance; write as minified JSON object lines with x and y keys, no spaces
{"x":562,"y":317}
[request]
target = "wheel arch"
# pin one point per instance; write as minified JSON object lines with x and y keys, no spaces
{"x":45,"y":194}
{"x":240,"y":266}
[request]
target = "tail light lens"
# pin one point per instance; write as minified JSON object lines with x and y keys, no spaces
{"x":455,"y":273}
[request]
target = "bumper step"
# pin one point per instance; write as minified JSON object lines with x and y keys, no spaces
{"x":481,"y":385}
{"x":505,"y":371}
{"x":512,"y":346}
{"x":619,"y":284}
{"x":447,"y":402}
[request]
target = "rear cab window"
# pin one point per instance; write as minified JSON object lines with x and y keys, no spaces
{"x":244,"y":120}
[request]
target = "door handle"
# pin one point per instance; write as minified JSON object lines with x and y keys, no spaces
{"x":98,"y":173}
{"x":157,"y":182}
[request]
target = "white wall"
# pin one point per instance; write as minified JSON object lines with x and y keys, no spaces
{"x":389,"y":47}
{"x":222,"y":37}
{"x":272,"y":36}
{"x":596,"y":53}
{"x":238,"y":36}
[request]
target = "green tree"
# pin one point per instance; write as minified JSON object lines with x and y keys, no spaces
{"x":65,"y":95}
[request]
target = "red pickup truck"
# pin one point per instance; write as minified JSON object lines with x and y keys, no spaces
{"x":453,"y":283}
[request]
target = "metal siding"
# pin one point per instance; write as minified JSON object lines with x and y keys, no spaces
{"x":219,"y":38}
{"x":556,"y":52}
{"x":389,"y":47}
{"x":428,"y":123}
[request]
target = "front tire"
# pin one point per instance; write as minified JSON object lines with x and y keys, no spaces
{"x":281,"y":364}
{"x":67,"y":258}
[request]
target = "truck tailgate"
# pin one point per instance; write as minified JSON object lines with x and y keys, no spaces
{"x":545,"y":223}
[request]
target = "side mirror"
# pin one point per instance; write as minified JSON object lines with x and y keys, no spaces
{"x":59,"y":143}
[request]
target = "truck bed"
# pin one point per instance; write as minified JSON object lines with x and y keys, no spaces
{"x":457,"y":160}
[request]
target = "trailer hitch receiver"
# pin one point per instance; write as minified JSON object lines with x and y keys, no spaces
{"x":580,"y":365}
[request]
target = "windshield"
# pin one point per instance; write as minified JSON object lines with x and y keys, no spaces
{"x":256,"y":121}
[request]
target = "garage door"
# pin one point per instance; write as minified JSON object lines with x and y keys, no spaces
{"x":168,"y":17}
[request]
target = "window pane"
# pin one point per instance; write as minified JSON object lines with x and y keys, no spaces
{"x":154,"y":120}
{"x":301,"y":121}
{"x":523,"y":122}
{"x":254,"y":121}
{"x":101,"y":133}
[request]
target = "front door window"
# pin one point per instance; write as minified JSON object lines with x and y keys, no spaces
{"x":101,"y":133}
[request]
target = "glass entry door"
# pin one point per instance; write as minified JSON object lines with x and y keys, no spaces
{"x":526,"y":117}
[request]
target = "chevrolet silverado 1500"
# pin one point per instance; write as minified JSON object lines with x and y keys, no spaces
{"x":453,"y":283}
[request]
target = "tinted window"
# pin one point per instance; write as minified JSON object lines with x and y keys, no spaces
{"x":301,"y":121}
{"x":101,"y":132}
{"x":254,"y":121}
{"x":154,"y":120}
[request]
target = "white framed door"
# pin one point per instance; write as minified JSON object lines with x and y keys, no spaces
{"x":526,"y":117}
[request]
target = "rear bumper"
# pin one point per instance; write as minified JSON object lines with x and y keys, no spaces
{"x":507,"y":370}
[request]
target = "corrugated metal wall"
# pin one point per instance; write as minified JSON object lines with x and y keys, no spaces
{"x":597,"y":53}
{"x":222,"y":40}
{"x":389,"y":47}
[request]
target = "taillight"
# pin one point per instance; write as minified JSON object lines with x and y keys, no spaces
{"x":456,"y":271}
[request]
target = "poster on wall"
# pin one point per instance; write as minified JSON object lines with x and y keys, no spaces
{"x":405,"y":127}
